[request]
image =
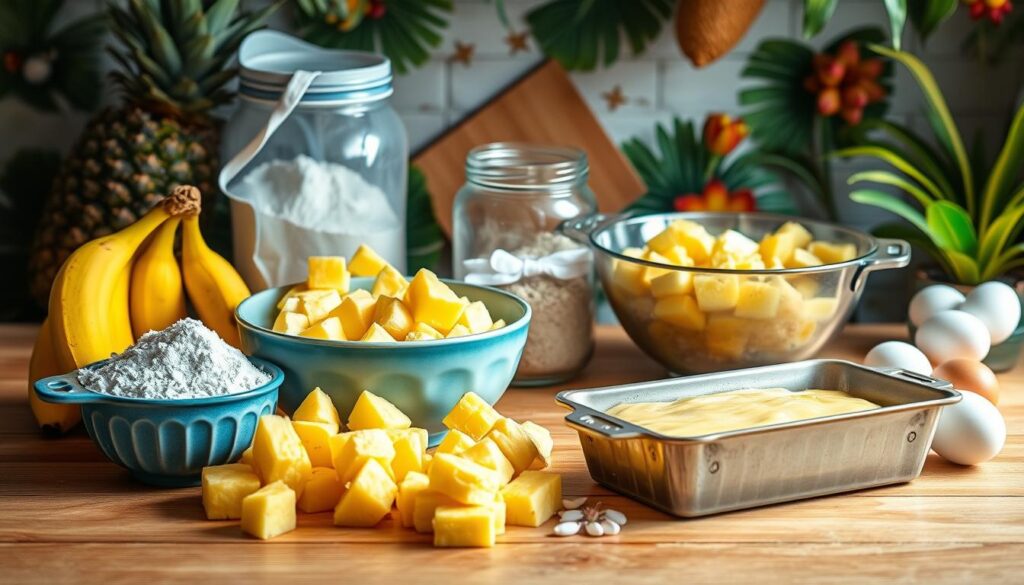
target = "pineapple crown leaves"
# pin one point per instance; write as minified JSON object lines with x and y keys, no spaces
{"x":404,"y":30}
{"x":681,"y":167}
{"x":580,"y":35}
{"x":174,"y":54}
{"x":43,"y":67}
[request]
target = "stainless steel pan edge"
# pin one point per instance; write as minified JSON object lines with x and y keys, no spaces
{"x":696,"y":476}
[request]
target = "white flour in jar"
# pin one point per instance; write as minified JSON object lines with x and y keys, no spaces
{"x":305,"y":207}
{"x":185,"y":360}
{"x":562,"y":328}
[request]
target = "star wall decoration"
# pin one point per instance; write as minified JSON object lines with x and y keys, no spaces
{"x":463,"y":53}
{"x":516,"y":42}
{"x":614,"y":98}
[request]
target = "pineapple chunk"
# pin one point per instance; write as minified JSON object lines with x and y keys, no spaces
{"x":532,"y":498}
{"x":758,"y":300}
{"x":749,"y":263}
{"x":716,"y":292}
{"x":463,"y":480}
{"x":409,"y":450}
{"x":459,"y":330}
{"x":316,"y":439}
{"x":694,"y":238}
{"x":427,"y":330}
{"x":498,"y":324}
{"x":356,"y":313}
{"x":499,"y":513}
{"x":663,"y":241}
{"x":821,"y":308}
{"x":420,"y":336}
{"x":433,"y":303}
{"x":541,"y":438}
{"x":472,"y":415}
{"x":291,"y":323}
{"x":317,"y":407}
{"x":397,"y":434}
{"x":318,"y":307}
{"x":802,"y":259}
{"x":476,"y":318}
{"x":726,"y":336}
{"x":676,"y":282}
{"x":224,"y":488}
{"x":373,"y":412}
{"x":328,"y":272}
{"x":678,"y":256}
{"x":377,"y":334}
{"x":366,"y":262}
{"x":733,"y":244}
{"x":777,"y":248}
{"x":291,"y":294}
{"x":681,"y":311}
{"x":488,"y":454}
{"x":290,"y":304}
{"x":269,"y":511}
{"x":413,"y":484}
{"x":629,"y":276}
{"x":651,"y":272}
{"x":807,"y":285}
{"x":514,"y":443}
{"x":391,"y":314}
{"x":803,"y":335}
{"x":351,"y":451}
{"x":322,"y":491}
{"x":278,"y":453}
{"x":830,"y":253}
{"x":464,"y":526}
{"x":389,"y":282}
{"x":801,"y":237}
{"x":368,"y":497}
{"x":329,"y":329}
{"x":426,"y":502}
{"x":455,"y":442}
{"x":247,"y":459}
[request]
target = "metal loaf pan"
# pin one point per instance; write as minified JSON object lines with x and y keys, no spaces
{"x":708,"y":474}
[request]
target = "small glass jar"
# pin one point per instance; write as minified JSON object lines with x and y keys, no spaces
{"x":343,"y":146}
{"x":515,"y":198}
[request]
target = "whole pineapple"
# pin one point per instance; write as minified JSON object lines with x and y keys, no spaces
{"x":173,"y":65}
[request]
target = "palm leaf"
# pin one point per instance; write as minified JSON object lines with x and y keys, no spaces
{"x":888,"y":156}
{"x":894,"y":180}
{"x":914,"y":149}
{"x":951,"y":227}
{"x":895,"y":205}
{"x":1000,"y":234}
{"x":1006,"y":170}
{"x":817,"y":13}
{"x":582,"y":35}
{"x":927,"y":15}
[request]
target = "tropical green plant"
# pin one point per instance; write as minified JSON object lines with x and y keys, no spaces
{"x":424,"y":238}
{"x":785,"y":115}
{"x":583,"y":35}
{"x":967,"y":215}
{"x":687,"y":167}
{"x":817,"y":13}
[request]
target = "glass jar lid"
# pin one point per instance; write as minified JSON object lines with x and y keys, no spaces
{"x":267,"y":60}
{"x":526,"y":167}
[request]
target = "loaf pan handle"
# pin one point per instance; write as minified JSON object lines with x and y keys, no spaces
{"x":918,"y":378}
{"x":602,"y":424}
{"x":891,"y":253}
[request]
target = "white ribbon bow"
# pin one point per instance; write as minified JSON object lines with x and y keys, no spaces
{"x":506,"y":268}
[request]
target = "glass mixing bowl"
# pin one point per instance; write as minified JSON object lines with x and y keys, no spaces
{"x":810,"y":304}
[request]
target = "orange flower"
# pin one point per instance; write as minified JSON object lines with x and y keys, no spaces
{"x":722,"y":133}
{"x":844,"y":83}
{"x":716,"y":197}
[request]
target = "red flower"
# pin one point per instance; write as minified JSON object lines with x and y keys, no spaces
{"x":722,"y":133}
{"x":716,"y":197}
{"x":844,"y":83}
{"x":995,"y":10}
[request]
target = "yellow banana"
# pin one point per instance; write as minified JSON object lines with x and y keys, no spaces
{"x":56,"y":418}
{"x":89,"y":316}
{"x":157,"y":297}
{"x":214,"y":286}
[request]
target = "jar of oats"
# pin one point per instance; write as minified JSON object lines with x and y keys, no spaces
{"x":504,"y":234}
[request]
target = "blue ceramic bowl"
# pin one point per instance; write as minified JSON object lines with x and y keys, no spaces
{"x":168,"y":442}
{"x":425,"y":379}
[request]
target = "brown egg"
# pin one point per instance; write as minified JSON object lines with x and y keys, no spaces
{"x":967,"y":374}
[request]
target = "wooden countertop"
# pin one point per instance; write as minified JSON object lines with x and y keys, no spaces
{"x":69,"y":516}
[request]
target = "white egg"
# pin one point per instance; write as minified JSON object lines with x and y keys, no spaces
{"x":897,"y":354}
{"x":953,"y":334}
{"x":969,"y":432}
{"x":931,"y":300}
{"x":998,"y":307}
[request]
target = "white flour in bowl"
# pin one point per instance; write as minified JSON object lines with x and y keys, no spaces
{"x":185,"y":360}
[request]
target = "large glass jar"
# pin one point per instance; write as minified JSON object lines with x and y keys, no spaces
{"x":505,"y":233}
{"x":331,"y":176}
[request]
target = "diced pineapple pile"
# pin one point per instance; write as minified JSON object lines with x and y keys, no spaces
{"x":483,"y":476}
{"x":393,"y":310}
{"x":727,"y":316}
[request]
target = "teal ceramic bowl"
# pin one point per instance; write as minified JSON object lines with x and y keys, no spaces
{"x":168,"y":442}
{"x":425,"y":379}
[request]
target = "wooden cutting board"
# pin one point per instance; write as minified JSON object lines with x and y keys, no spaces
{"x":544,"y":107}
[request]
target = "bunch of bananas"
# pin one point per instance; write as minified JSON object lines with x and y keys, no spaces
{"x":117,"y":287}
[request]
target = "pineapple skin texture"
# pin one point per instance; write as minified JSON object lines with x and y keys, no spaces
{"x":124,"y":162}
